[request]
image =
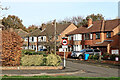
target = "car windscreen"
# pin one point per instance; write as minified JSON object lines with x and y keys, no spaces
{"x":96,"y":50}
{"x":89,"y":50}
{"x":83,"y":50}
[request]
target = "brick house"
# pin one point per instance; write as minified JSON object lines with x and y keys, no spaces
{"x":99,"y":34}
{"x":39,"y":37}
{"x":23,"y":34}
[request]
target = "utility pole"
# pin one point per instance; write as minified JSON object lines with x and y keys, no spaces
{"x":55,"y":34}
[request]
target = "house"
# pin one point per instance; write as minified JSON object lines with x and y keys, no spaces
{"x":39,"y":37}
{"x":23,"y":34}
{"x":99,"y":34}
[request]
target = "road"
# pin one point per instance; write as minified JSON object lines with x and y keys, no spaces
{"x":93,"y":70}
{"x":73,"y":69}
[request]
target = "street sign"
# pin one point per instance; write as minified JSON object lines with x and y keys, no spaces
{"x":64,"y":42}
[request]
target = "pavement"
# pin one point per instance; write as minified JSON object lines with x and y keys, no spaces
{"x":73,"y":68}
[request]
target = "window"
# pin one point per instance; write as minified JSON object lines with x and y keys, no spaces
{"x":108,"y":34}
{"x":89,"y":50}
{"x":32,"y":38}
{"x":41,"y":38}
{"x":97,"y":35}
{"x":96,"y":50}
{"x":91,"y":36}
{"x":87,"y":36}
{"x":69,"y":37}
{"x":77,"y":37}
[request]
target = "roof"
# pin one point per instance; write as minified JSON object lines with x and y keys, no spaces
{"x":78,"y":31}
{"x":50,"y":30}
{"x":21,"y":32}
{"x":35,"y":32}
{"x":109,"y":25}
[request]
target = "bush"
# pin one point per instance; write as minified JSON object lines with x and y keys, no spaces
{"x":90,"y":57}
{"x":95,"y":57}
{"x":41,"y":60}
{"x":53,"y":60}
{"x":32,"y":52}
{"x":32,"y":60}
{"x":105,"y":56}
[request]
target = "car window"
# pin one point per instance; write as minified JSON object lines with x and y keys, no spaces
{"x":89,"y":50}
{"x":82,"y":50}
{"x":96,"y":50}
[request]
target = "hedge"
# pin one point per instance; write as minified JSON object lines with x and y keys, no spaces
{"x":40,"y":60}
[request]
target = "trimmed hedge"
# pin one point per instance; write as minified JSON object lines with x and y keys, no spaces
{"x":41,"y":60}
{"x":32,"y":60}
{"x":32,"y":52}
{"x":53,"y":60}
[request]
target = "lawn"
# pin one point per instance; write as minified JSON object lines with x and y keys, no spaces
{"x":55,"y":78}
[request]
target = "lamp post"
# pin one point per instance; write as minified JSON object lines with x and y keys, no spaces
{"x":55,"y":34}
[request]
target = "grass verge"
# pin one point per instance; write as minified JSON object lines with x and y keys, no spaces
{"x":45,"y":77}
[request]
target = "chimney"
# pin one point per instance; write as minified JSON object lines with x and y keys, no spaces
{"x":102,"y":29}
{"x":103,"y":25}
{"x":89,"y":22}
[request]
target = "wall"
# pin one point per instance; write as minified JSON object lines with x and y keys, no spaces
{"x":70,"y":28}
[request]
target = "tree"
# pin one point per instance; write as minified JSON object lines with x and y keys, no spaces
{"x":12,"y":21}
{"x":11,"y":48}
{"x":1,"y":9}
{"x":95,"y":17}
{"x":32,"y":28}
{"x":75,"y":19}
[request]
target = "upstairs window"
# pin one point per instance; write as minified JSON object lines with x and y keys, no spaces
{"x":108,"y":34}
{"x":32,"y":38}
{"x":97,"y":35}
{"x":69,"y":38}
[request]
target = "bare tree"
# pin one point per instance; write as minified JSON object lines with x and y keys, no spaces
{"x":1,"y":9}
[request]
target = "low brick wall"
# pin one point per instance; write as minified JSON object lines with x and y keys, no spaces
{"x":67,"y":54}
{"x":32,"y":67}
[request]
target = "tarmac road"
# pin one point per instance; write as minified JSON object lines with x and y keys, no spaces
{"x":72,"y":68}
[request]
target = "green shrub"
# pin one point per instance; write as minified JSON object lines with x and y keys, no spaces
{"x":53,"y":60}
{"x":96,"y":56}
{"x":32,"y":60}
{"x":32,"y":52}
{"x":105,"y":56}
{"x":113,"y":56}
{"x":90,"y":57}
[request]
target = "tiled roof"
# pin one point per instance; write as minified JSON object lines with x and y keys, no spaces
{"x":78,"y":31}
{"x":21,"y":33}
{"x":109,"y":25}
{"x":50,"y":30}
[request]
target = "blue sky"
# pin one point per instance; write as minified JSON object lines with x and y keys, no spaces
{"x":42,"y":12}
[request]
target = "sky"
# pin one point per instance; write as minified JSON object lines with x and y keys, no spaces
{"x":37,"y":12}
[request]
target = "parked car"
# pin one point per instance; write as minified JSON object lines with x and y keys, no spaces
{"x":80,"y":54}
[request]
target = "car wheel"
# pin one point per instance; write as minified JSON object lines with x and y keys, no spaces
{"x":80,"y":57}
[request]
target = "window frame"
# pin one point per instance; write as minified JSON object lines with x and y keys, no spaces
{"x":108,"y":34}
{"x":97,"y":37}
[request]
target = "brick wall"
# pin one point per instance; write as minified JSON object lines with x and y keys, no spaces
{"x":70,"y":28}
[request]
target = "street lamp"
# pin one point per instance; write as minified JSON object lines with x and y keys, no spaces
{"x":55,"y":34}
